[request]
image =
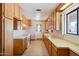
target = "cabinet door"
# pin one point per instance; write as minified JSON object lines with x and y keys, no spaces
{"x":50,"y":48}
{"x":20,"y":13}
{"x":17,"y":11}
{"x":15,"y":24}
{"x":9,"y":10}
{"x":54,"y":50}
{"x":71,"y":53}
{"x":18,"y":47}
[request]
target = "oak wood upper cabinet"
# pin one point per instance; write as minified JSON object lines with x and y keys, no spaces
{"x":29,"y":22}
{"x":15,"y":24}
{"x":21,"y":15}
{"x":17,"y":16}
{"x":9,"y":10}
{"x":17,"y":11}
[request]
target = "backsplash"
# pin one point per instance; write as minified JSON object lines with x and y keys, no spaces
{"x":57,"y":34}
{"x":19,"y":32}
{"x":72,"y":38}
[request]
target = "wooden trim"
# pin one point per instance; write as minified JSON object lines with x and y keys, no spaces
{"x":35,"y":39}
{"x":8,"y":18}
{"x":67,"y":21}
{"x":59,"y":6}
{"x":1,"y":29}
{"x":67,"y":6}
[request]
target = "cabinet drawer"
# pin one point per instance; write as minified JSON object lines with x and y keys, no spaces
{"x":62,"y":51}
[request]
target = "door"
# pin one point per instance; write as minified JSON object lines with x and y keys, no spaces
{"x":38,"y":33}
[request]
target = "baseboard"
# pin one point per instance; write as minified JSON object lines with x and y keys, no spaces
{"x":36,"y":39}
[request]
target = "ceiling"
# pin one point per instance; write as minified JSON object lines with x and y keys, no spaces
{"x":29,"y":9}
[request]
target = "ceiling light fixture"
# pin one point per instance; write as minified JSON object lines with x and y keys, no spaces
{"x":38,"y":9}
{"x":66,"y":5}
{"x":38,"y":14}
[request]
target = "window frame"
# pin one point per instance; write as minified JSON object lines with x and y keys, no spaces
{"x":37,"y":27}
{"x":77,"y":9}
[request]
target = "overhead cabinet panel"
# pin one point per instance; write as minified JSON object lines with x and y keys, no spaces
{"x":21,"y":13}
{"x":17,"y":11}
{"x":9,"y":10}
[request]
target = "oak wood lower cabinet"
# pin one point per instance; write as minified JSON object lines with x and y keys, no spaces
{"x":47,"y":44}
{"x":53,"y":50}
{"x":49,"y":48}
{"x":58,"y":51}
{"x":19,"y":46}
{"x":71,"y":53}
{"x":62,"y":52}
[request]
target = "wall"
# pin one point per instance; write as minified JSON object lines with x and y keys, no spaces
{"x":32,"y":29}
{"x":54,"y":20}
{"x":71,"y":38}
{"x":72,"y":7}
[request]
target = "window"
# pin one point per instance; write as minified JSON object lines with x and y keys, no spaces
{"x":72,"y":22}
{"x":38,"y":26}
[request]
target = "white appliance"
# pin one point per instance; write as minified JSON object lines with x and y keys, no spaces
{"x":27,"y":38}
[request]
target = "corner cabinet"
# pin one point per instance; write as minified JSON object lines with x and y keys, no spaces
{"x":9,"y":10}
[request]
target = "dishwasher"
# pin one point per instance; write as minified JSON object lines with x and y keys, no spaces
{"x":27,"y":39}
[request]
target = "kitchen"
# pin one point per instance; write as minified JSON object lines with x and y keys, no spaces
{"x":39,"y":29}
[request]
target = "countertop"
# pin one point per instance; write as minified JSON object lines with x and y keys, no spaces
{"x":63,"y":43}
{"x":20,"y":34}
{"x":19,"y":37}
